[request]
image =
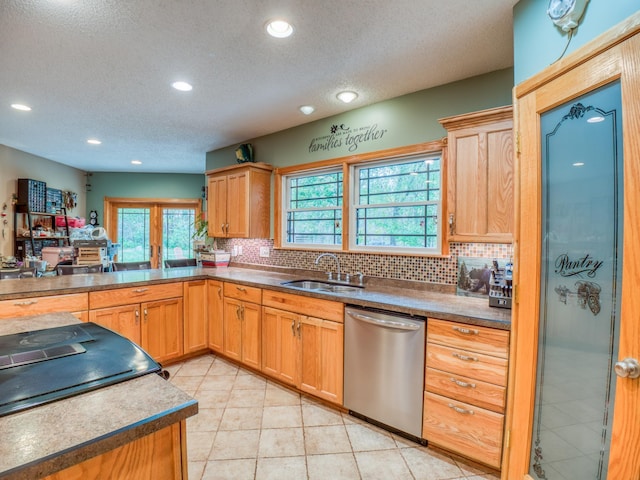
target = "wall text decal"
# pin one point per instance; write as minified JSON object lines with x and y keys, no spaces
{"x":342,"y":136}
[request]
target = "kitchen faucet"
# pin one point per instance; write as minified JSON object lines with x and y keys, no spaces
{"x":337,"y":263}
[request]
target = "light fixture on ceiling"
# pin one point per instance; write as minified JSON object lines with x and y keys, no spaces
{"x":279,"y":28}
{"x":21,"y":107}
{"x":136,"y":162}
{"x":578,"y":164}
{"x":182,"y":86}
{"x":307,"y":109}
{"x":94,"y":141}
{"x":347,"y":96}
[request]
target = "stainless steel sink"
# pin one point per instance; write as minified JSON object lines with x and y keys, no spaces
{"x":319,"y":286}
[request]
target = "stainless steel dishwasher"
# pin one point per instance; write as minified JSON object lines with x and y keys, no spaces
{"x":384,"y":369}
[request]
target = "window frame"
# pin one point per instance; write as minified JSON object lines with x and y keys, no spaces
{"x":436,"y":147}
{"x":355,"y":205}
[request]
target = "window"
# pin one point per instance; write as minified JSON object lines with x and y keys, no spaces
{"x":390,"y":200}
{"x":313,"y":209}
{"x":396,"y":205}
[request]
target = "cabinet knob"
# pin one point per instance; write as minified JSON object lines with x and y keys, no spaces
{"x":628,"y":368}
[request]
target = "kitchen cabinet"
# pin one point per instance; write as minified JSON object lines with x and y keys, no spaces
{"x":215,"y":313}
{"x":78,"y":303}
{"x":239,"y":199}
{"x":153,"y":314}
{"x":196,"y":321}
{"x":480,"y":176}
{"x":242,"y":324}
{"x":160,"y":455}
{"x":465,"y":389}
{"x":301,"y":349}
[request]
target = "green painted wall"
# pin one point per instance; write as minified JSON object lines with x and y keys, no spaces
{"x":141,"y":185}
{"x":401,"y":121}
{"x":538,"y":42}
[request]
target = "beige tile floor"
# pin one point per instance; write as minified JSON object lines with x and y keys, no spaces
{"x":251,"y":428}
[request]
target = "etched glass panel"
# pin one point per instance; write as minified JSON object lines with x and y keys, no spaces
{"x":580,"y":279}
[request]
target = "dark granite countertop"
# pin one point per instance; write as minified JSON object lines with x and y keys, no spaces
{"x":54,"y":436}
{"x":414,"y":298}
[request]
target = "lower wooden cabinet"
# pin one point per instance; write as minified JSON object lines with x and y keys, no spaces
{"x":302,"y":350}
{"x":215,"y":313}
{"x":77,"y":303}
{"x":465,"y":389}
{"x":159,"y":456}
{"x":242,"y":322}
{"x":195,"y":316}
{"x":155,"y":326}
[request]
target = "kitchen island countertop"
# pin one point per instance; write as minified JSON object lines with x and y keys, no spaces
{"x":48,"y":438}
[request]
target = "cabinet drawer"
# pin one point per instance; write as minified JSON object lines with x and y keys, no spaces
{"x":468,"y":430}
{"x":242,"y":292}
{"x":469,"y":364}
{"x":490,"y":341}
{"x":313,"y":307}
{"x":125,"y":296}
{"x":21,"y":307}
{"x":465,"y":389}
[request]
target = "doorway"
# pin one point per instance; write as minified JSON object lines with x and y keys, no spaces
{"x":152,"y":230}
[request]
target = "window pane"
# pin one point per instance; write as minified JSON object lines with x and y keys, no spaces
{"x":409,"y":227}
{"x":133,"y":234}
{"x":312,"y":216}
{"x":177,"y":233}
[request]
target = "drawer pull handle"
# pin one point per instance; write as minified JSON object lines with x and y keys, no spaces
{"x":460,"y":383}
{"x":461,"y":410}
{"x":466,"y":331}
{"x":466,"y":358}
{"x":25,"y":304}
{"x":140,"y":290}
{"x":241,"y":289}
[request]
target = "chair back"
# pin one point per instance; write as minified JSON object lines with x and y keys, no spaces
{"x":124,"y":266}
{"x":76,"y":269}
{"x":180,"y":262}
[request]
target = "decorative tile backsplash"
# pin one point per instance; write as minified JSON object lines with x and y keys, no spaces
{"x":441,"y":270}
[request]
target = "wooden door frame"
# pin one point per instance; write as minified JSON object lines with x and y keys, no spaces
{"x":611,"y":56}
{"x":111,"y":204}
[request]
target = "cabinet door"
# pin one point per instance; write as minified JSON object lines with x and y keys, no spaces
{"x":124,"y":320}
{"x":238,"y":205}
{"x":162,"y":336}
{"x":322,"y":358}
{"x":251,"y":320}
{"x":217,"y":206}
{"x":232,"y":328}
{"x":215,"y":312}
{"x":280,"y":352}
{"x":195,"y":316}
{"x":480,"y":200}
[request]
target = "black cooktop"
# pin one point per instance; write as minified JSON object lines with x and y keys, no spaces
{"x":45,"y":365}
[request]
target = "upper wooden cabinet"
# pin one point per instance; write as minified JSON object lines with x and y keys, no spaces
{"x":239,"y":200}
{"x":480,"y":176}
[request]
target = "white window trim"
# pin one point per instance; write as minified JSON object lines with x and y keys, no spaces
{"x":354,"y":188}
{"x":285,"y":209}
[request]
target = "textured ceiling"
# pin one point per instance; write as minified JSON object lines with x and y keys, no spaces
{"x":103,"y":69}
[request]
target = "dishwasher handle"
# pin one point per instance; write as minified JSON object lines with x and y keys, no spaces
{"x":394,"y":324}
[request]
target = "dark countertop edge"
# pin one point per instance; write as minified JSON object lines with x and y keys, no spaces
{"x":72,"y":456}
{"x":475,"y":313}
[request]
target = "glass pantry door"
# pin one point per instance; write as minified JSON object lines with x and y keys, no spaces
{"x":574,"y":380}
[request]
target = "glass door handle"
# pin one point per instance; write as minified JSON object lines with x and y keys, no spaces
{"x":629,"y":367}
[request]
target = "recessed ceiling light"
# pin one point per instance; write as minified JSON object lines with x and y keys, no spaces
{"x":347,"y":96}
{"x":578,"y":164}
{"x":94,"y":141}
{"x":182,"y":86}
{"x":279,"y":28}
{"x":307,"y":109}
{"x":136,"y":162}
{"x":19,"y":106}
